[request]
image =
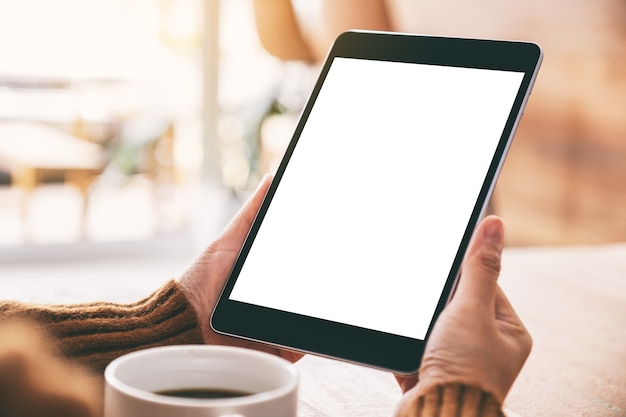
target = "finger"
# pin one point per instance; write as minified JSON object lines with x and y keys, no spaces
{"x":240,"y":224}
{"x":481,"y":266}
{"x":406,"y":382}
{"x":504,"y":309}
{"x":511,"y":324}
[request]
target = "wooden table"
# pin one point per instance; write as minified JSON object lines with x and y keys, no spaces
{"x":34,"y":153}
{"x":31,"y":150}
{"x":572,"y":299}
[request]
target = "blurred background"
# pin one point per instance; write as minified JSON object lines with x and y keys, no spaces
{"x":143,"y":124}
{"x":119,"y":118}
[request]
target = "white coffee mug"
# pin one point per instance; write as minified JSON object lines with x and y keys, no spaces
{"x":136,"y":382}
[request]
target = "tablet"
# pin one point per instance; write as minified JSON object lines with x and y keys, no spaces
{"x":360,"y":238}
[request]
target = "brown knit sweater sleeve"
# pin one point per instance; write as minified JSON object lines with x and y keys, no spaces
{"x":96,"y":333}
{"x":451,"y":400}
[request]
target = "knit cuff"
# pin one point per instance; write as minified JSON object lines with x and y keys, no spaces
{"x":96,"y":333}
{"x":451,"y":400}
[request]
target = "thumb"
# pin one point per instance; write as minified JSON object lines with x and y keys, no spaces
{"x":239,"y":226}
{"x":481,"y":266}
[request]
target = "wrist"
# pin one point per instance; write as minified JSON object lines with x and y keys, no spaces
{"x":434,"y":372}
{"x":449,"y":399}
{"x":193,"y":294}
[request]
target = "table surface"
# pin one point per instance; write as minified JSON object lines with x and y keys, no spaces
{"x":26,"y":144}
{"x":572,"y":299}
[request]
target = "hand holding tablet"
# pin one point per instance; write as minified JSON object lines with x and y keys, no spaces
{"x":359,"y":241}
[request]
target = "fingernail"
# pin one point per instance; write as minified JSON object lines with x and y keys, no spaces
{"x":266,"y":177}
{"x":494,"y":231}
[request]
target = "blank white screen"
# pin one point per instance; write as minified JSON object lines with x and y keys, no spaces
{"x":370,"y":212}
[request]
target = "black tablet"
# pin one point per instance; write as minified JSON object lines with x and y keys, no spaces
{"x":360,"y":238}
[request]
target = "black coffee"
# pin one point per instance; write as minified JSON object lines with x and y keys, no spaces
{"x":207,"y":393}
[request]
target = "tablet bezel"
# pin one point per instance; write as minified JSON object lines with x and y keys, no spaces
{"x":351,"y":343}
